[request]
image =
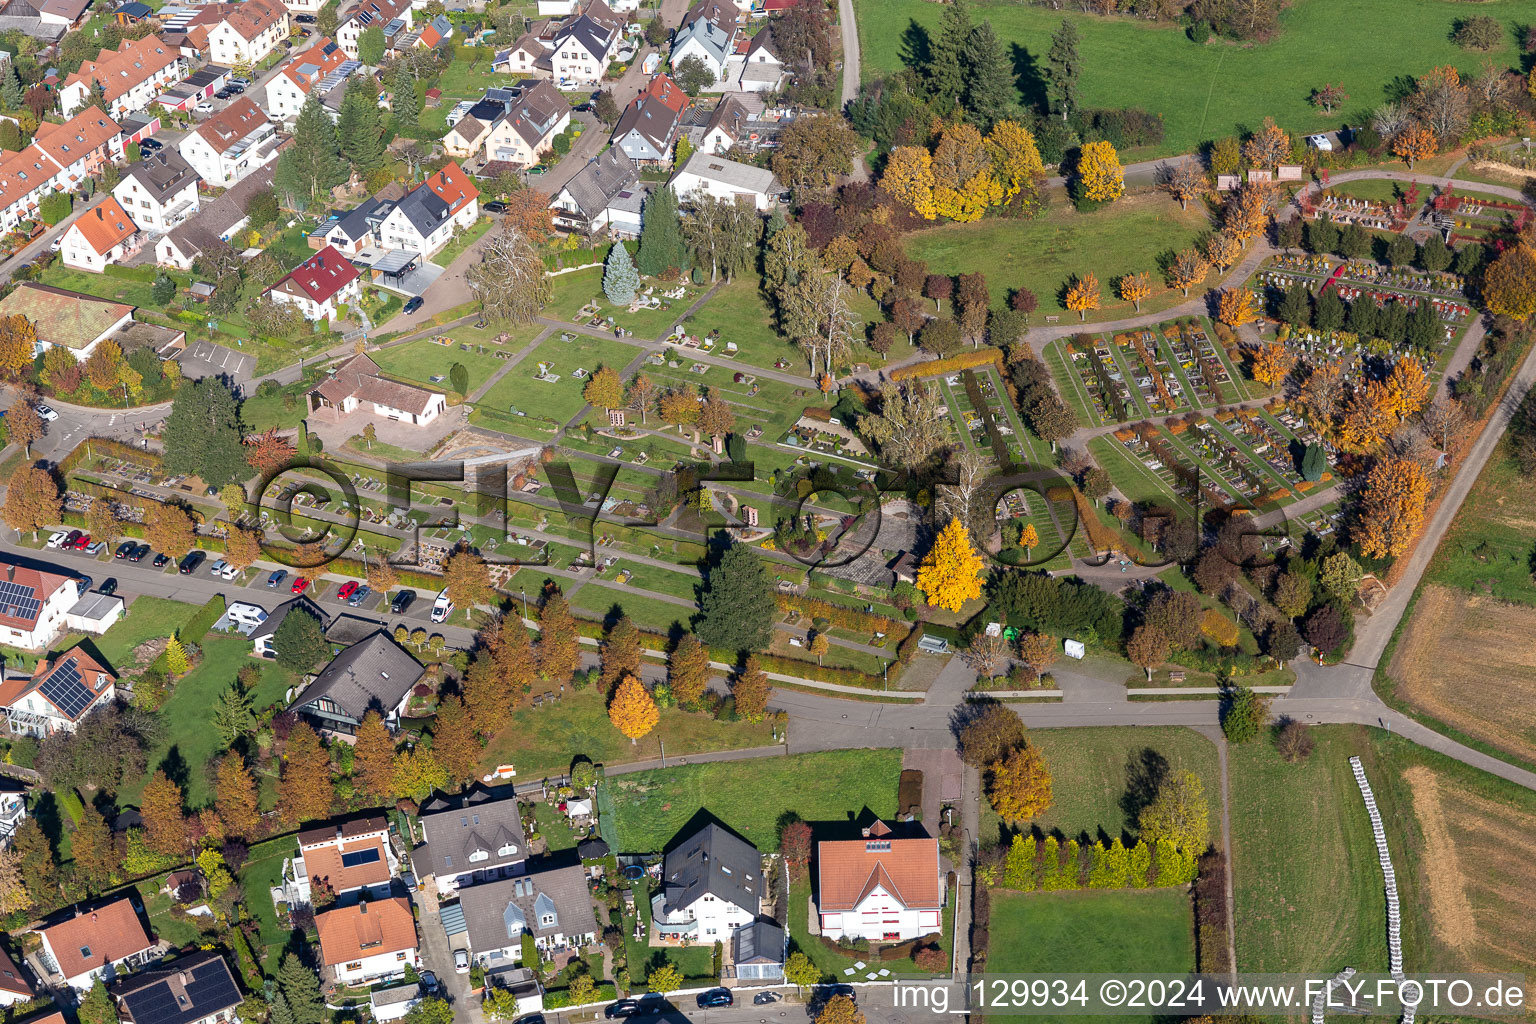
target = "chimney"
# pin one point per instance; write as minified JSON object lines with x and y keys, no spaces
{"x":362,"y":908}
{"x":10,"y":572}
{"x":864,"y":832}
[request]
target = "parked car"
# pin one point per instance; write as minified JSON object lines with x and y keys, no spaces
{"x":495,"y":206}
{"x":229,"y":572}
{"x":57,"y":540}
{"x":622,"y":1008}
{"x":461,"y":961}
{"x":95,"y":549}
{"x":304,"y":19}
{"x":346,"y":590}
{"x":763,"y":998}
{"x":138,"y":552}
{"x":442,"y":607}
{"x":150,"y":145}
{"x":56,"y":244}
{"x":235,"y":88}
{"x":108,"y":586}
{"x":245,"y":83}
{"x":715,"y":997}
{"x":428,"y":982}
{"x":223,"y":94}
{"x":300,"y":584}
{"x":82,"y":584}
{"x":204,"y":107}
{"x":160,"y":560}
{"x":413,"y":304}
{"x":46,"y":413}
{"x":82,"y":542}
{"x":190,"y":563}
{"x":70,"y":538}
{"x":402,"y":601}
{"x":217,"y":567}
{"x":359,"y":595}
{"x":125,"y":549}
{"x":278,"y":575}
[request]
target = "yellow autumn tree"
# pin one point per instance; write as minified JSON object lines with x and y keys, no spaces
{"x":1083,"y":295}
{"x":1271,"y":363}
{"x":1268,"y":146}
{"x":1415,"y":142}
{"x":1245,"y":214}
{"x":1236,"y":307}
{"x":1408,"y":386}
{"x":1222,"y":250}
{"x":1100,"y":178}
{"x":908,"y":179}
{"x":1016,"y":162}
{"x":1509,"y":283}
{"x":1134,"y":288}
{"x":1391,"y":507}
{"x":963,"y":182}
{"x":1028,"y":538}
{"x":632,"y":710}
{"x":1369,"y":419}
{"x":951,"y":573}
{"x":1221,"y":630}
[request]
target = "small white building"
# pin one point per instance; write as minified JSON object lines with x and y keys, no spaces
{"x":726,"y":179}
{"x":103,"y":235}
{"x":358,"y":384}
{"x":94,"y":613}
{"x":58,"y":695}
{"x":319,"y":286}
{"x":98,"y":943}
{"x":389,"y":1004}
{"x":159,"y":191}
{"x":584,"y":45}
{"x":367,"y":943}
{"x":245,"y":32}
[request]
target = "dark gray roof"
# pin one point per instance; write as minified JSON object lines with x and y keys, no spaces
{"x":277,"y":615}
{"x":730,"y":116}
{"x":179,"y":992}
{"x":591,"y":848}
{"x":479,"y":819}
{"x":349,"y":629}
{"x":545,"y":903}
{"x":162,"y":174}
{"x":425,"y":209}
{"x":377,"y":672}
{"x":761,"y":942}
{"x":602,"y":179}
{"x":592,"y":35}
{"x":716,"y":862}
{"x":537,"y":112}
{"x":213,"y":221}
{"x":363,"y":218}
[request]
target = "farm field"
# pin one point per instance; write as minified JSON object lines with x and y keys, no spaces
{"x":749,"y":796}
{"x":1042,"y":254}
{"x":1198,"y":89}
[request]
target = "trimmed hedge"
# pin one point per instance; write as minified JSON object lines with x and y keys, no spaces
{"x":199,"y":624}
{"x":601,"y":993}
{"x":964,"y":361}
{"x":106,"y":445}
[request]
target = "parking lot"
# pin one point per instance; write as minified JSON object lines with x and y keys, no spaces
{"x":205,"y":359}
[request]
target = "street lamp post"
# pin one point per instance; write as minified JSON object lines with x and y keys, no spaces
{"x":524,"y":592}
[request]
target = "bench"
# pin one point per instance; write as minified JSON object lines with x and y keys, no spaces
{"x":1053,"y":319}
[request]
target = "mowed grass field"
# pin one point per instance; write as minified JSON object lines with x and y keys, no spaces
{"x":1205,"y":92}
{"x":1092,"y":931}
{"x":1306,"y":877}
{"x":750,"y":796}
{"x":1043,"y":254}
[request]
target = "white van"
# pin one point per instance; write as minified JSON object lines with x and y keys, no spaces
{"x":442,"y":607}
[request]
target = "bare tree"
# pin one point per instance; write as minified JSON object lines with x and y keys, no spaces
{"x":909,"y":428}
{"x":1442,"y":419}
{"x":509,"y":280}
{"x":1184,"y":181}
{"x":986,"y":653}
{"x":1389,"y":119}
{"x":965,"y":499}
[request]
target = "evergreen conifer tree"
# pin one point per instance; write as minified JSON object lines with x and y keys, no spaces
{"x":661,"y":236}
{"x":620,"y":279}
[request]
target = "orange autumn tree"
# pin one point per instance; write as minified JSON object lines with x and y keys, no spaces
{"x":1369,"y":419}
{"x":1222,"y":250}
{"x":1188,"y":268}
{"x":950,"y":575}
{"x":1236,"y":307}
{"x":1407,"y":386}
{"x":1271,"y":363}
{"x":908,"y":179}
{"x":1245,"y":214}
{"x":1268,"y":146}
{"x":1083,"y":295}
{"x":1415,"y":142}
{"x":1100,"y":178}
{"x":1134,"y":288}
{"x":1019,"y":785}
{"x":1391,"y":507}
{"x":632,"y":710}
{"x":963,"y":182}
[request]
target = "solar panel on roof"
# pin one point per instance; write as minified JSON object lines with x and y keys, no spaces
{"x":357,"y":858}
{"x":66,"y":690}
{"x":18,"y":599}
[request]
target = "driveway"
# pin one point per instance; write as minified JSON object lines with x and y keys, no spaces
{"x":438,"y":958}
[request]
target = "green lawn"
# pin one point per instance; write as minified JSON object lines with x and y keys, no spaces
{"x":147,"y":618}
{"x":461,"y":241}
{"x":262,"y":870}
{"x":424,"y":359}
{"x":1204,"y":92}
{"x":695,"y":962}
{"x":749,"y":796}
{"x":1307,"y":881}
{"x":562,"y":399}
{"x":598,"y":601}
{"x":1092,"y":931}
{"x":553,"y":827}
{"x":542,"y":741}
{"x":1043,"y":254}
{"x":1487,"y":550}
{"x":574,"y":290}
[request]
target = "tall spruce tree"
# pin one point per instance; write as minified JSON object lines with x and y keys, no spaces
{"x":405,"y":103}
{"x":1063,"y":65}
{"x":203,"y":436}
{"x":11,"y":93}
{"x":312,"y":166}
{"x":302,"y":990}
{"x":737,"y":609}
{"x":360,"y":127}
{"x":661,"y":236}
{"x":946,"y":67}
{"x":619,"y":277}
{"x":989,"y":88}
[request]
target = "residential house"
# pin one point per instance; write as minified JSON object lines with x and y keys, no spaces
{"x":375,"y":675}
{"x":583,"y":46}
{"x":471,"y":837}
{"x":432,"y":213}
{"x":58,"y":695}
{"x":65,"y":14}
{"x":309,"y":7}
{"x":711,"y":884}
{"x":367,"y":943}
{"x":708,"y":32}
{"x":434,"y":33}
{"x":159,"y":191}
{"x":727,"y":179}
{"x":880,"y":886}
{"x":593,"y":200}
{"x":319,"y":286}
{"x":527,"y":56}
{"x":757,"y":952}
{"x":217,"y":222}
{"x":648,"y":127}
{"x":130,"y":76}
{"x":261,"y":635}
{"x":96,"y":943}
{"x":392,"y":17}
{"x":756,"y":65}
{"x":101,"y":236}
{"x":357,"y":229}
{"x":553,"y":906}
{"x":14,"y":986}
{"x":323,"y":67}
{"x":358,"y":384}
{"x":729,"y":123}
{"x":350,"y":860}
{"x":13,"y":811}
{"x":67,"y":319}
{"x":32,"y":605}
{"x":24,"y":16}
{"x":194,"y":989}
{"x":245,"y":32}
{"x":232,"y":143}
{"x":466,"y":139}
{"x":529,"y":129}
{"x":60,"y":157}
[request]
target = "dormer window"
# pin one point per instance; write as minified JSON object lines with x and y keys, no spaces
{"x":478,"y":856}
{"x":506,"y":851}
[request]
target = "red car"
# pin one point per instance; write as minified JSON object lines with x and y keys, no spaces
{"x":83,"y":542}
{"x":300,"y":584}
{"x":347,"y":589}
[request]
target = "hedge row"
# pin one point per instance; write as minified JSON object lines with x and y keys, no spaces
{"x":602,"y":992}
{"x":1054,"y":867}
{"x":199,"y":624}
{"x":837,"y":614}
{"x":108,"y":446}
{"x":964,"y":361}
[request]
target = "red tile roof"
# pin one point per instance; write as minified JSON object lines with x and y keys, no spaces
{"x":454,"y":186}
{"x":43,"y":585}
{"x":324,"y":57}
{"x":82,"y":134}
{"x":367,"y":929}
{"x":11,"y":978}
{"x":233,"y":123}
{"x":325,"y":862}
{"x":105,"y":226}
{"x":322,"y":275}
{"x":907,"y":869}
{"x":97,"y":937}
{"x":88,"y":668}
{"x":133,"y":62}
{"x":668,"y":92}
